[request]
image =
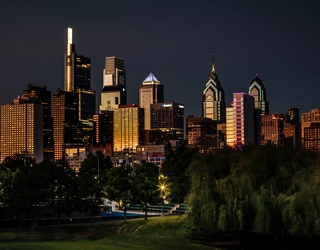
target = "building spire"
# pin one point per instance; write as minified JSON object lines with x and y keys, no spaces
{"x":69,"y":35}
{"x":213,"y":70}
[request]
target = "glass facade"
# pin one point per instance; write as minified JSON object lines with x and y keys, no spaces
{"x":64,"y":111}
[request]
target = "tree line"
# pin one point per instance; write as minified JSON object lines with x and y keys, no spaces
{"x":51,"y":189}
{"x":267,"y":190}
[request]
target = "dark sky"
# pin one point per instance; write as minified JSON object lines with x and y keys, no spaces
{"x":279,"y":40}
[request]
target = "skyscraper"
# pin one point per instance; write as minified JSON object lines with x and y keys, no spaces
{"x":258,"y":90}
{"x":22,"y":129}
{"x":150,"y":91}
{"x":64,"y":114}
{"x":240,"y":121}
{"x":78,"y":79}
{"x":43,"y":96}
{"x":213,"y":98}
{"x":114,"y":91}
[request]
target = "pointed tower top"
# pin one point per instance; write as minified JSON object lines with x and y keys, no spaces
{"x":151,"y":79}
{"x":213,"y":70}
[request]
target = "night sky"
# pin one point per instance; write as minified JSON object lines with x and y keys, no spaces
{"x":172,"y":39}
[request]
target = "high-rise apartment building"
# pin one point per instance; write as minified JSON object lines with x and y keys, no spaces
{"x":77,"y":79}
{"x":22,"y":129}
{"x":150,"y":91}
{"x":258,"y":90}
{"x":240,"y":121}
{"x":213,"y":98}
{"x":128,"y":128}
{"x":43,"y":96}
{"x":114,"y":91}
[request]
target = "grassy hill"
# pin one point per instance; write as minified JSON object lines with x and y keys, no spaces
{"x":154,"y":233}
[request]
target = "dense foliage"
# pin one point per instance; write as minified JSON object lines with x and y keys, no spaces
{"x":267,"y":190}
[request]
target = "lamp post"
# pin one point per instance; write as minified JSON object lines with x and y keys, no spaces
{"x":162,"y":186}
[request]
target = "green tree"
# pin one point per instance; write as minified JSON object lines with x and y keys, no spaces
{"x":120,"y":187}
{"x":175,"y":169}
{"x":66,"y":194}
{"x":145,"y":185}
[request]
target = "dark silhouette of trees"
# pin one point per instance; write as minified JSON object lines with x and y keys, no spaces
{"x":267,"y":190}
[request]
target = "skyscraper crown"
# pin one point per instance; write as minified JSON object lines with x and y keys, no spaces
{"x":151,"y":79}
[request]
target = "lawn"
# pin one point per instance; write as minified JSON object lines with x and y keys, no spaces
{"x":155,"y":233}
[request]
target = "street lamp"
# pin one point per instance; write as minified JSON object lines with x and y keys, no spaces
{"x":162,"y":187}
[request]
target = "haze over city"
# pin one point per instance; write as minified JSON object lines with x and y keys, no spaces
{"x":173,"y":40}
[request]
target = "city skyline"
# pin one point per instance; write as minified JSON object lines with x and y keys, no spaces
{"x":277,"y":41}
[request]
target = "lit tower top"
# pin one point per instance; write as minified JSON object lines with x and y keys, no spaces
{"x":69,"y":35}
{"x":151,"y":79}
{"x":69,"y":64}
{"x":258,"y":90}
{"x":213,"y":98}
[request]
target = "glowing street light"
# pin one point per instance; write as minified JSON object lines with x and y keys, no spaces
{"x":162,"y":187}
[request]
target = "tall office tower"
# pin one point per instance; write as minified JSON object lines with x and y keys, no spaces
{"x":213,"y":98}
{"x":114,"y":91}
{"x":22,"y":129}
{"x":150,"y":91}
{"x":65,"y":120}
{"x":240,"y":121}
{"x":167,"y":122}
{"x":42,"y":95}
{"x":310,"y":124}
{"x":103,"y":138}
{"x":258,"y":90}
{"x":78,"y":79}
{"x":128,"y":128}
{"x":272,"y":129}
{"x":202,"y":133}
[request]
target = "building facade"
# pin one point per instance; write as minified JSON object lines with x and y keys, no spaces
{"x":103,"y":138}
{"x":273,"y":132}
{"x":42,"y":95}
{"x":240,"y":121}
{"x":167,"y":122}
{"x":202,"y":133}
{"x":128,"y":128}
{"x":64,"y":114}
{"x":213,"y":98}
{"x":309,"y":126}
{"x":114,"y":92}
{"x":22,"y":130}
